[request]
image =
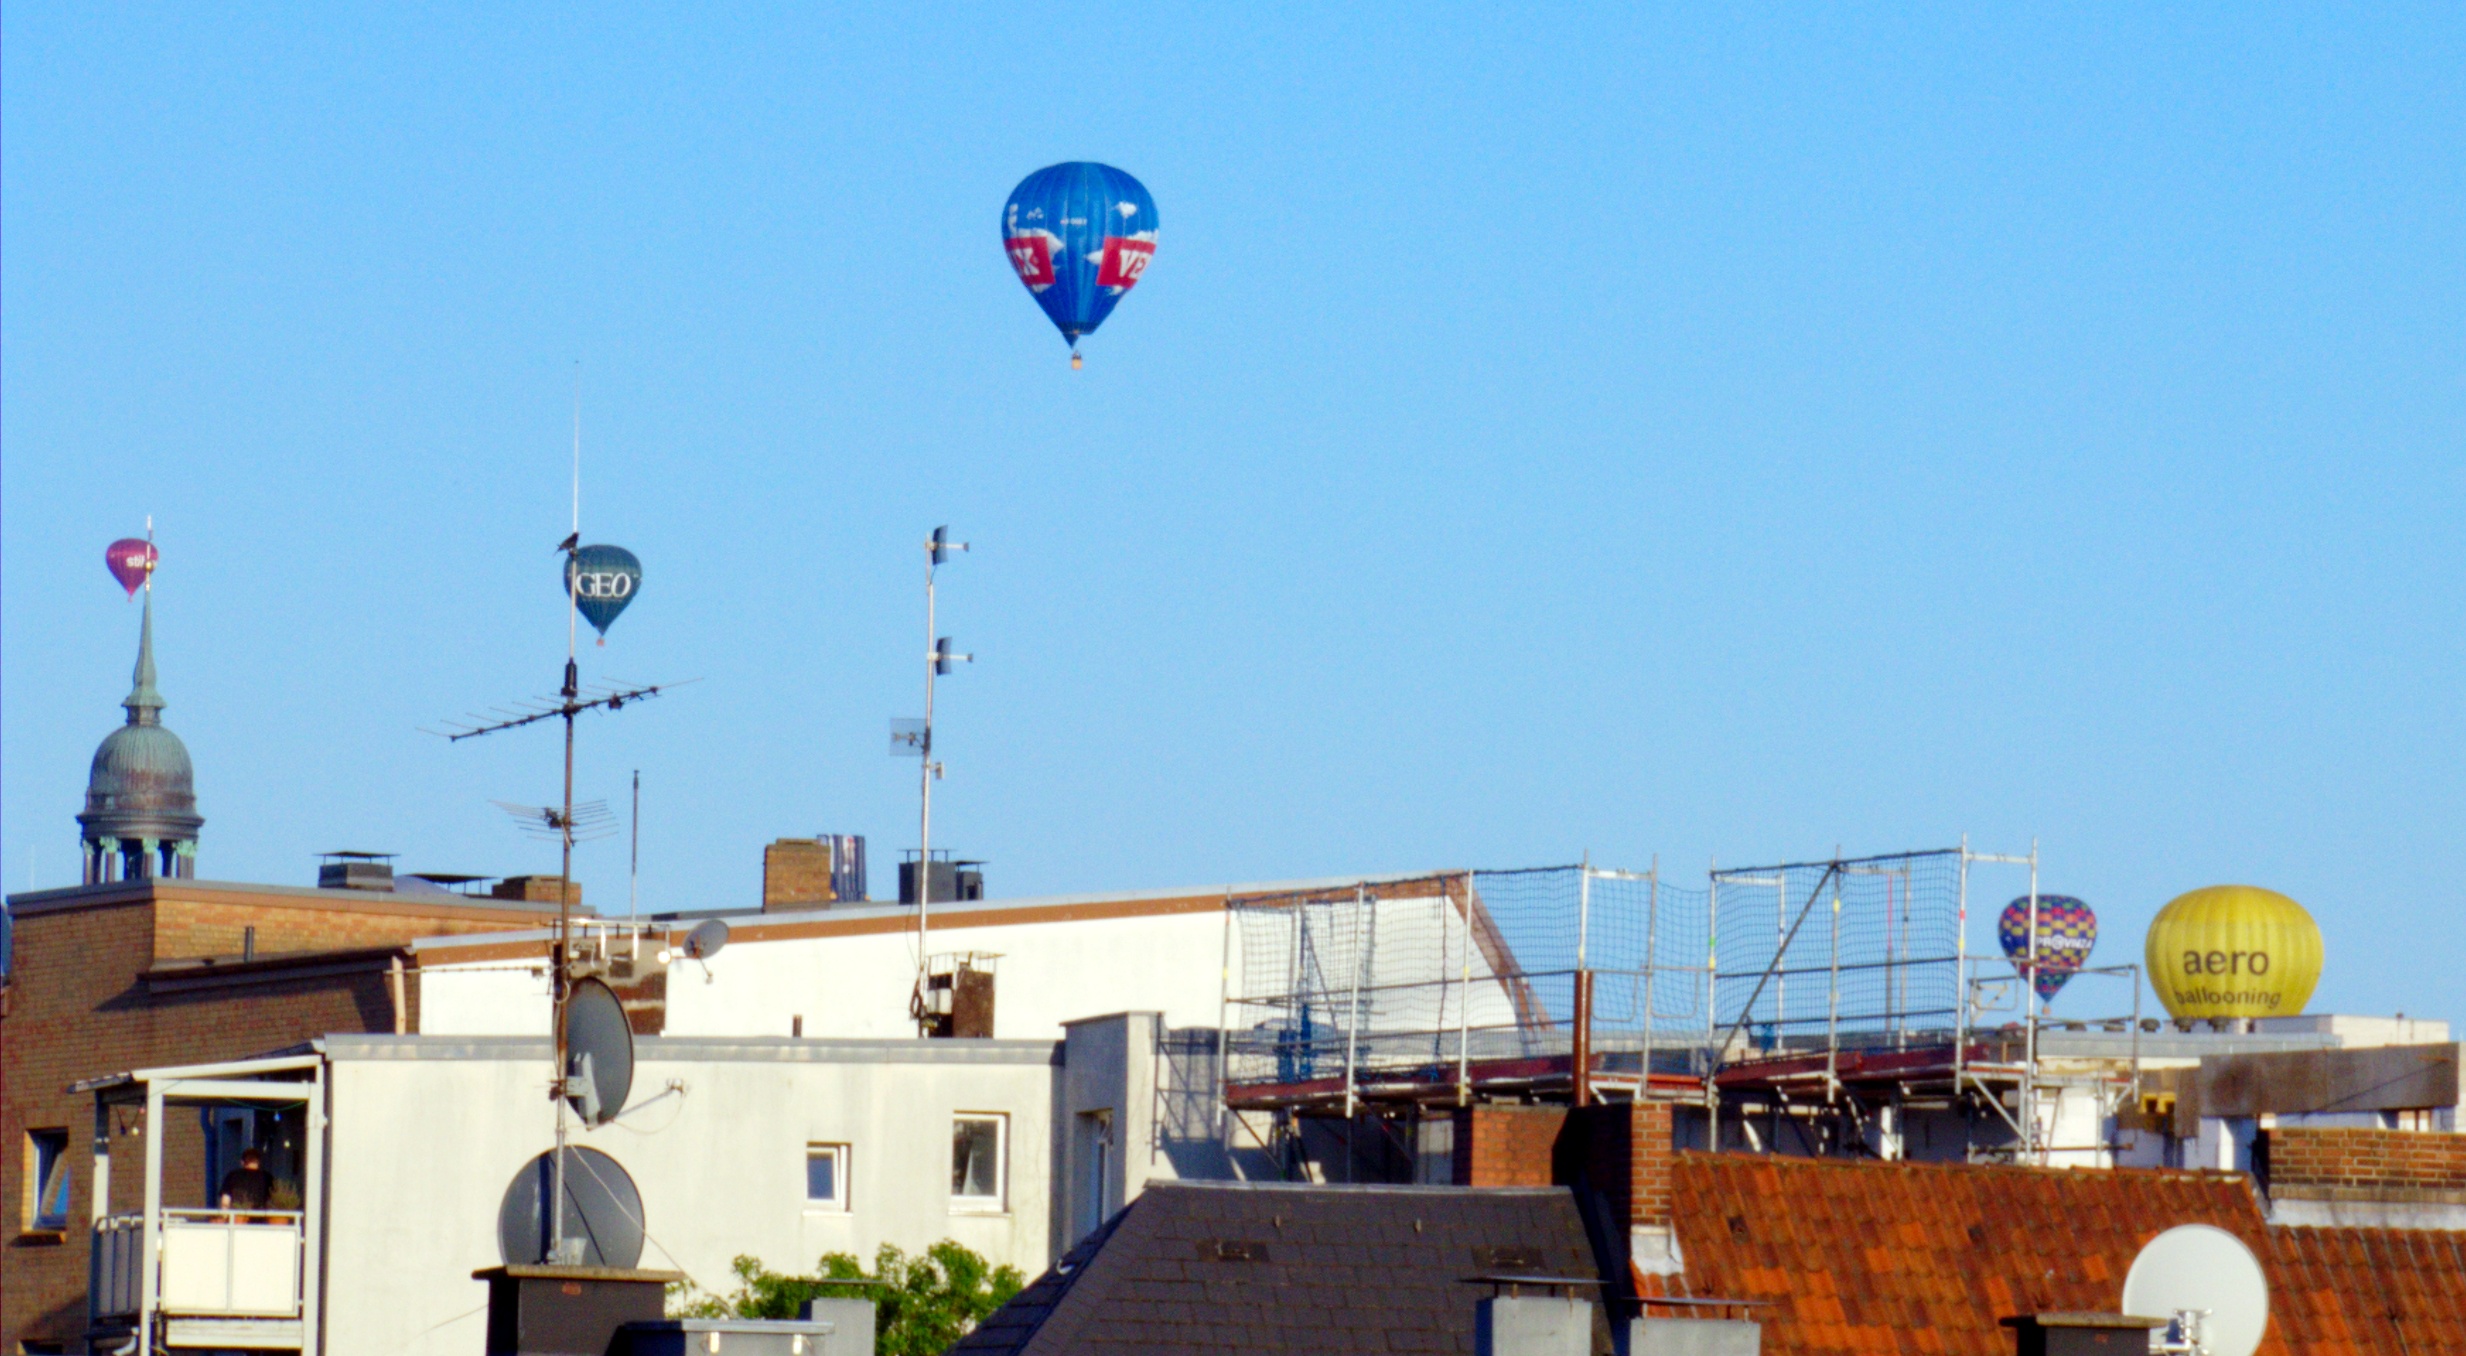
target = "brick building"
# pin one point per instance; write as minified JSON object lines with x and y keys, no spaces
{"x":163,"y":970}
{"x":144,"y":965}
{"x":2356,"y":1175}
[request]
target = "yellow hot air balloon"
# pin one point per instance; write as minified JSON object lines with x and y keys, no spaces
{"x":2234,"y":951}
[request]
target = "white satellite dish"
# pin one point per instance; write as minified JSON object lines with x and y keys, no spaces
{"x":2209,"y":1282}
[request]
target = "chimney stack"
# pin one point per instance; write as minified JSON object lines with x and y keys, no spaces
{"x":796,"y":874}
{"x":1623,"y":1154}
{"x":1517,"y":1324}
{"x":2081,"y":1334}
{"x":813,"y":873}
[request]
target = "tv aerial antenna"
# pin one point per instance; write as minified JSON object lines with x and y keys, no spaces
{"x":914,"y":738}
{"x":591,"y":820}
{"x":573,"y":1083}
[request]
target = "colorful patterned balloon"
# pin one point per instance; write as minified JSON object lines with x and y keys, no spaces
{"x":2066,"y":932}
{"x":1079,"y":235}
{"x":131,"y":560}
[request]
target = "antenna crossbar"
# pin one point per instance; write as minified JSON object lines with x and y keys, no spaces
{"x":564,"y":708}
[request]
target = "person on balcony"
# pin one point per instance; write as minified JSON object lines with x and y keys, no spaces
{"x":248,"y":1186}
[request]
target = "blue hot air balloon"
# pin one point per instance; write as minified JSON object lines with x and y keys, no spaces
{"x":603,"y":580}
{"x":1079,"y":234}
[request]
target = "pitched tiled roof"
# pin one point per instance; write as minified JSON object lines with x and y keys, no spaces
{"x":1194,"y":1267}
{"x":1858,"y":1257}
{"x":1850,"y":1257}
{"x":2339,"y":1292}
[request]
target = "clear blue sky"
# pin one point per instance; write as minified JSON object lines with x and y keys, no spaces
{"x":1685,"y":433}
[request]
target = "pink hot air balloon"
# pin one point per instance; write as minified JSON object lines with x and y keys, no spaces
{"x":131,"y":559}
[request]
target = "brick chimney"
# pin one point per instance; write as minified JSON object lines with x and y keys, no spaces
{"x":1499,"y":1146}
{"x":1620,"y":1158}
{"x":796,"y":874}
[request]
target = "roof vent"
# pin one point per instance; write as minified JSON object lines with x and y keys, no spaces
{"x":2081,"y":1334}
{"x":356,"y":871}
{"x":536,"y":890}
{"x":1513,"y":1323}
{"x":952,"y":880}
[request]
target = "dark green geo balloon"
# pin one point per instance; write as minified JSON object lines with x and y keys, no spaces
{"x":603,"y":579}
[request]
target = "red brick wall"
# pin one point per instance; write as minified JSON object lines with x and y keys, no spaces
{"x":2366,"y":1158}
{"x":1650,"y":1155}
{"x":79,"y":1007}
{"x":189,"y":928}
{"x":1507,"y":1145}
{"x":796,"y":873}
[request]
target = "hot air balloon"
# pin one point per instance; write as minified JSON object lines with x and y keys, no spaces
{"x":2234,"y":951}
{"x":2066,"y":932}
{"x":131,"y":560}
{"x":1079,"y":234}
{"x":603,"y":579}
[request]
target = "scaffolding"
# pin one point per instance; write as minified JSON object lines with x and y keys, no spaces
{"x":1829,"y":996}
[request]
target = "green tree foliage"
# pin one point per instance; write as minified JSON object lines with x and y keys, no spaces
{"x":921,"y":1304}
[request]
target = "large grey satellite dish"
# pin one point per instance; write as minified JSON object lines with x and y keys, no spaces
{"x":705,"y":940}
{"x":603,"y":1212}
{"x":2207,"y":1272}
{"x":599,"y":1053}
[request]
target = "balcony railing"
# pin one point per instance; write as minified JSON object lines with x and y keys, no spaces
{"x":214,"y":1264}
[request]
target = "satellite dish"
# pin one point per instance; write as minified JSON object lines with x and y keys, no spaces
{"x":599,"y":1053}
{"x":2207,"y":1272}
{"x":603,"y":1213}
{"x":705,"y":940}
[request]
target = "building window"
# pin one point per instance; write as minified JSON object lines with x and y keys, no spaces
{"x":979,"y":1149}
{"x":47,"y":1184}
{"x":1096,"y":1200}
{"x":826,"y":1176}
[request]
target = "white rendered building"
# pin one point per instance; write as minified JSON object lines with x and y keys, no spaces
{"x":771,"y":1147}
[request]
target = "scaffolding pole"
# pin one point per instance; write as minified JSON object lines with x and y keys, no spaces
{"x":1652,"y":935}
{"x":1352,"y":1023}
{"x":1463,"y":1007}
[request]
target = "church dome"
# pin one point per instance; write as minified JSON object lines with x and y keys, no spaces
{"x":142,"y":772}
{"x":141,"y":795}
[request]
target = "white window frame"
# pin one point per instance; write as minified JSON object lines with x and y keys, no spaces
{"x":999,"y":1202}
{"x":838,"y":1154}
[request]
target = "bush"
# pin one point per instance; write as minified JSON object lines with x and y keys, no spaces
{"x":921,"y":1304}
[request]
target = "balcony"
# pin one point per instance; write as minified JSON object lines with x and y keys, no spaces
{"x":224,"y":1280}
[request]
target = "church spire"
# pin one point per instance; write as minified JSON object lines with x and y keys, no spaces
{"x":143,"y":702}
{"x":141,"y":815}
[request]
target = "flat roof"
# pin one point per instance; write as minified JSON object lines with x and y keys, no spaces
{"x":701,"y":1049}
{"x":442,"y":903}
{"x":873,"y":917}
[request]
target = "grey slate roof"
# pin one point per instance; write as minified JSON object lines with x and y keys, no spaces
{"x":1257,"y":1268}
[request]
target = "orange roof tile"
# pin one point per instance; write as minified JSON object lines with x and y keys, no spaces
{"x":1864,"y":1256}
{"x":2367,"y":1290}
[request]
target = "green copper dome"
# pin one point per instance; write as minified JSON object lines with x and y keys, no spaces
{"x":141,"y":796}
{"x":142,"y":771}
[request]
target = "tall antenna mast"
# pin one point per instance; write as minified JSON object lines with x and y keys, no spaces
{"x":633,"y":868}
{"x":573,"y":583}
{"x":561,"y":988}
{"x":570,"y":702}
{"x":938,"y":659}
